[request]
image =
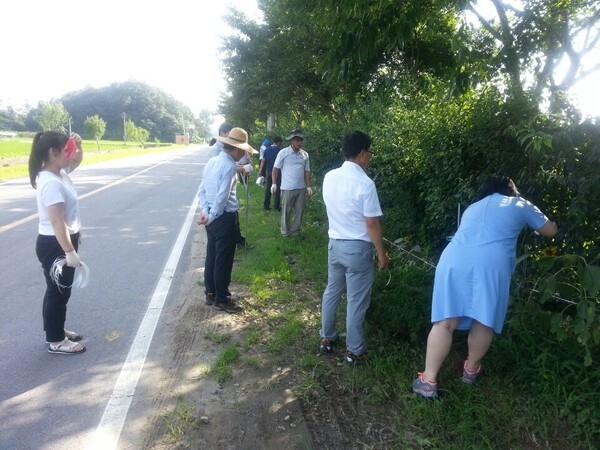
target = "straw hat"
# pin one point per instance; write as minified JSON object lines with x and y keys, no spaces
{"x":238,"y":138}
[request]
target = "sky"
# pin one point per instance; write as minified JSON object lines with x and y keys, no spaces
{"x":50,"y":48}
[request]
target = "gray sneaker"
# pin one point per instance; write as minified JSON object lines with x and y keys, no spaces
{"x":469,"y":376}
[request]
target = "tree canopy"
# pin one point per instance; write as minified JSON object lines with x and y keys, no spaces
{"x":150,"y":108}
{"x":306,"y":56}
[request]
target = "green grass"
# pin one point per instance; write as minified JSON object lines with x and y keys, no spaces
{"x":222,"y":368}
{"x":181,"y":421}
{"x":14,"y":154}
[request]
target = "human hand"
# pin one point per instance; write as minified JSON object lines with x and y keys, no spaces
{"x":248,"y":168}
{"x":383,"y":259}
{"x":72,"y":259}
{"x":309,"y":191}
{"x":273,"y":189}
{"x":77,"y":139}
{"x":203,"y":218}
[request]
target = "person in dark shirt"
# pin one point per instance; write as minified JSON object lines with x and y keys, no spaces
{"x":266,"y":166}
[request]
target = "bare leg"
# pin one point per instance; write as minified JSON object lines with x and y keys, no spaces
{"x":480,"y":339}
{"x":438,"y":346}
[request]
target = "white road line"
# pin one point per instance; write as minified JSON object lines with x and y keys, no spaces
{"x":106,"y":436}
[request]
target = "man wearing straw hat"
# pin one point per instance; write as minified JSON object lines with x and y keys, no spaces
{"x":219,"y":204}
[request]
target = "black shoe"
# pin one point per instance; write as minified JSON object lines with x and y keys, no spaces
{"x":267,"y":208}
{"x":210,"y":299}
{"x":326,"y":347}
{"x":228,"y":306}
{"x":353,"y":359}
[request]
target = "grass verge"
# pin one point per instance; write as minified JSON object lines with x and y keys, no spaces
{"x":286,"y":277}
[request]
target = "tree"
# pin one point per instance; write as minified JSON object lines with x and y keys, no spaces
{"x":136,"y":134}
{"x":11,"y":120}
{"x":271,"y":68}
{"x":53,"y":116}
{"x":534,"y":38}
{"x":149,"y":107}
{"x":202,"y":131}
{"x":95,"y":126}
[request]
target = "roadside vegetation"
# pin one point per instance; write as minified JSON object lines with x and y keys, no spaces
{"x":537,"y":392}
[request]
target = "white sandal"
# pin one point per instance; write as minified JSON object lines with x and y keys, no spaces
{"x":66,"y":347}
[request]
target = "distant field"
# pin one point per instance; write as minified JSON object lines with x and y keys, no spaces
{"x":21,"y":147}
{"x":14,"y":154}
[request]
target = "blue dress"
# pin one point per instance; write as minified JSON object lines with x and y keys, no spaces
{"x":472,"y":278}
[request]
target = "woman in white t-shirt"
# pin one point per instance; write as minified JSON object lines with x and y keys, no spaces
{"x":53,"y":156}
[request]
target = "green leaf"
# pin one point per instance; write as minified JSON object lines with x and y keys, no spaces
{"x":590,"y":279}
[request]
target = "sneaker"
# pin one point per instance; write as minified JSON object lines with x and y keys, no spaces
{"x":427,"y":389}
{"x":228,"y":306}
{"x":326,"y":347}
{"x":210,"y":299}
{"x":351,"y":358}
{"x":470,"y":376}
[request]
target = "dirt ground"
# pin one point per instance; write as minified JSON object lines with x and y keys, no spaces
{"x":255,"y":409}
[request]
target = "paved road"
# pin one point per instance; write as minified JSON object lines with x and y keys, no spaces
{"x":136,"y":216}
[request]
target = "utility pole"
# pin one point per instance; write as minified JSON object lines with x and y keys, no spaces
{"x":124,"y":128}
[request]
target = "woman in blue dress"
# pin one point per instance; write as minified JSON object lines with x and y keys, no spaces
{"x":472,"y":278}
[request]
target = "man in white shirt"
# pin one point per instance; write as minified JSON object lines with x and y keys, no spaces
{"x":353,"y":211}
{"x":216,"y":148}
{"x":219,"y":204}
{"x":293,"y":166}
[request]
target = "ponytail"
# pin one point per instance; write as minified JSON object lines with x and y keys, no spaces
{"x":43,"y":142}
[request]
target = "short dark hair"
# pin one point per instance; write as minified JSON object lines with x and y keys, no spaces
{"x":355,"y":142}
{"x":225,"y":128}
{"x":498,"y":184}
{"x":277,"y":140}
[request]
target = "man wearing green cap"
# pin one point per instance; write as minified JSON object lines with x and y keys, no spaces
{"x":292,"y":164}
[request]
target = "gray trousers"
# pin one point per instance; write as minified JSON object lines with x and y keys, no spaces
{"x":350,"y":265}
{"x":292,"y":210}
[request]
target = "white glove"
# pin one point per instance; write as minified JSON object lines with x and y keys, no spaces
{"x":260,"y":181}
{"x":73,"y":259}
{"x":309,"y":191}
{"x":248,"y":168}
{"x":273,"y":189}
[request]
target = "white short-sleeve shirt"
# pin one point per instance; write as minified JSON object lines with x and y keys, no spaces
{"x":53,"y":189}
{"x":350,"y":196}
{"x":292,"y":166}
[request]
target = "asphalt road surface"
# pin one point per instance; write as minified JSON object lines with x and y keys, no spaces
{"x":137,"y":214}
